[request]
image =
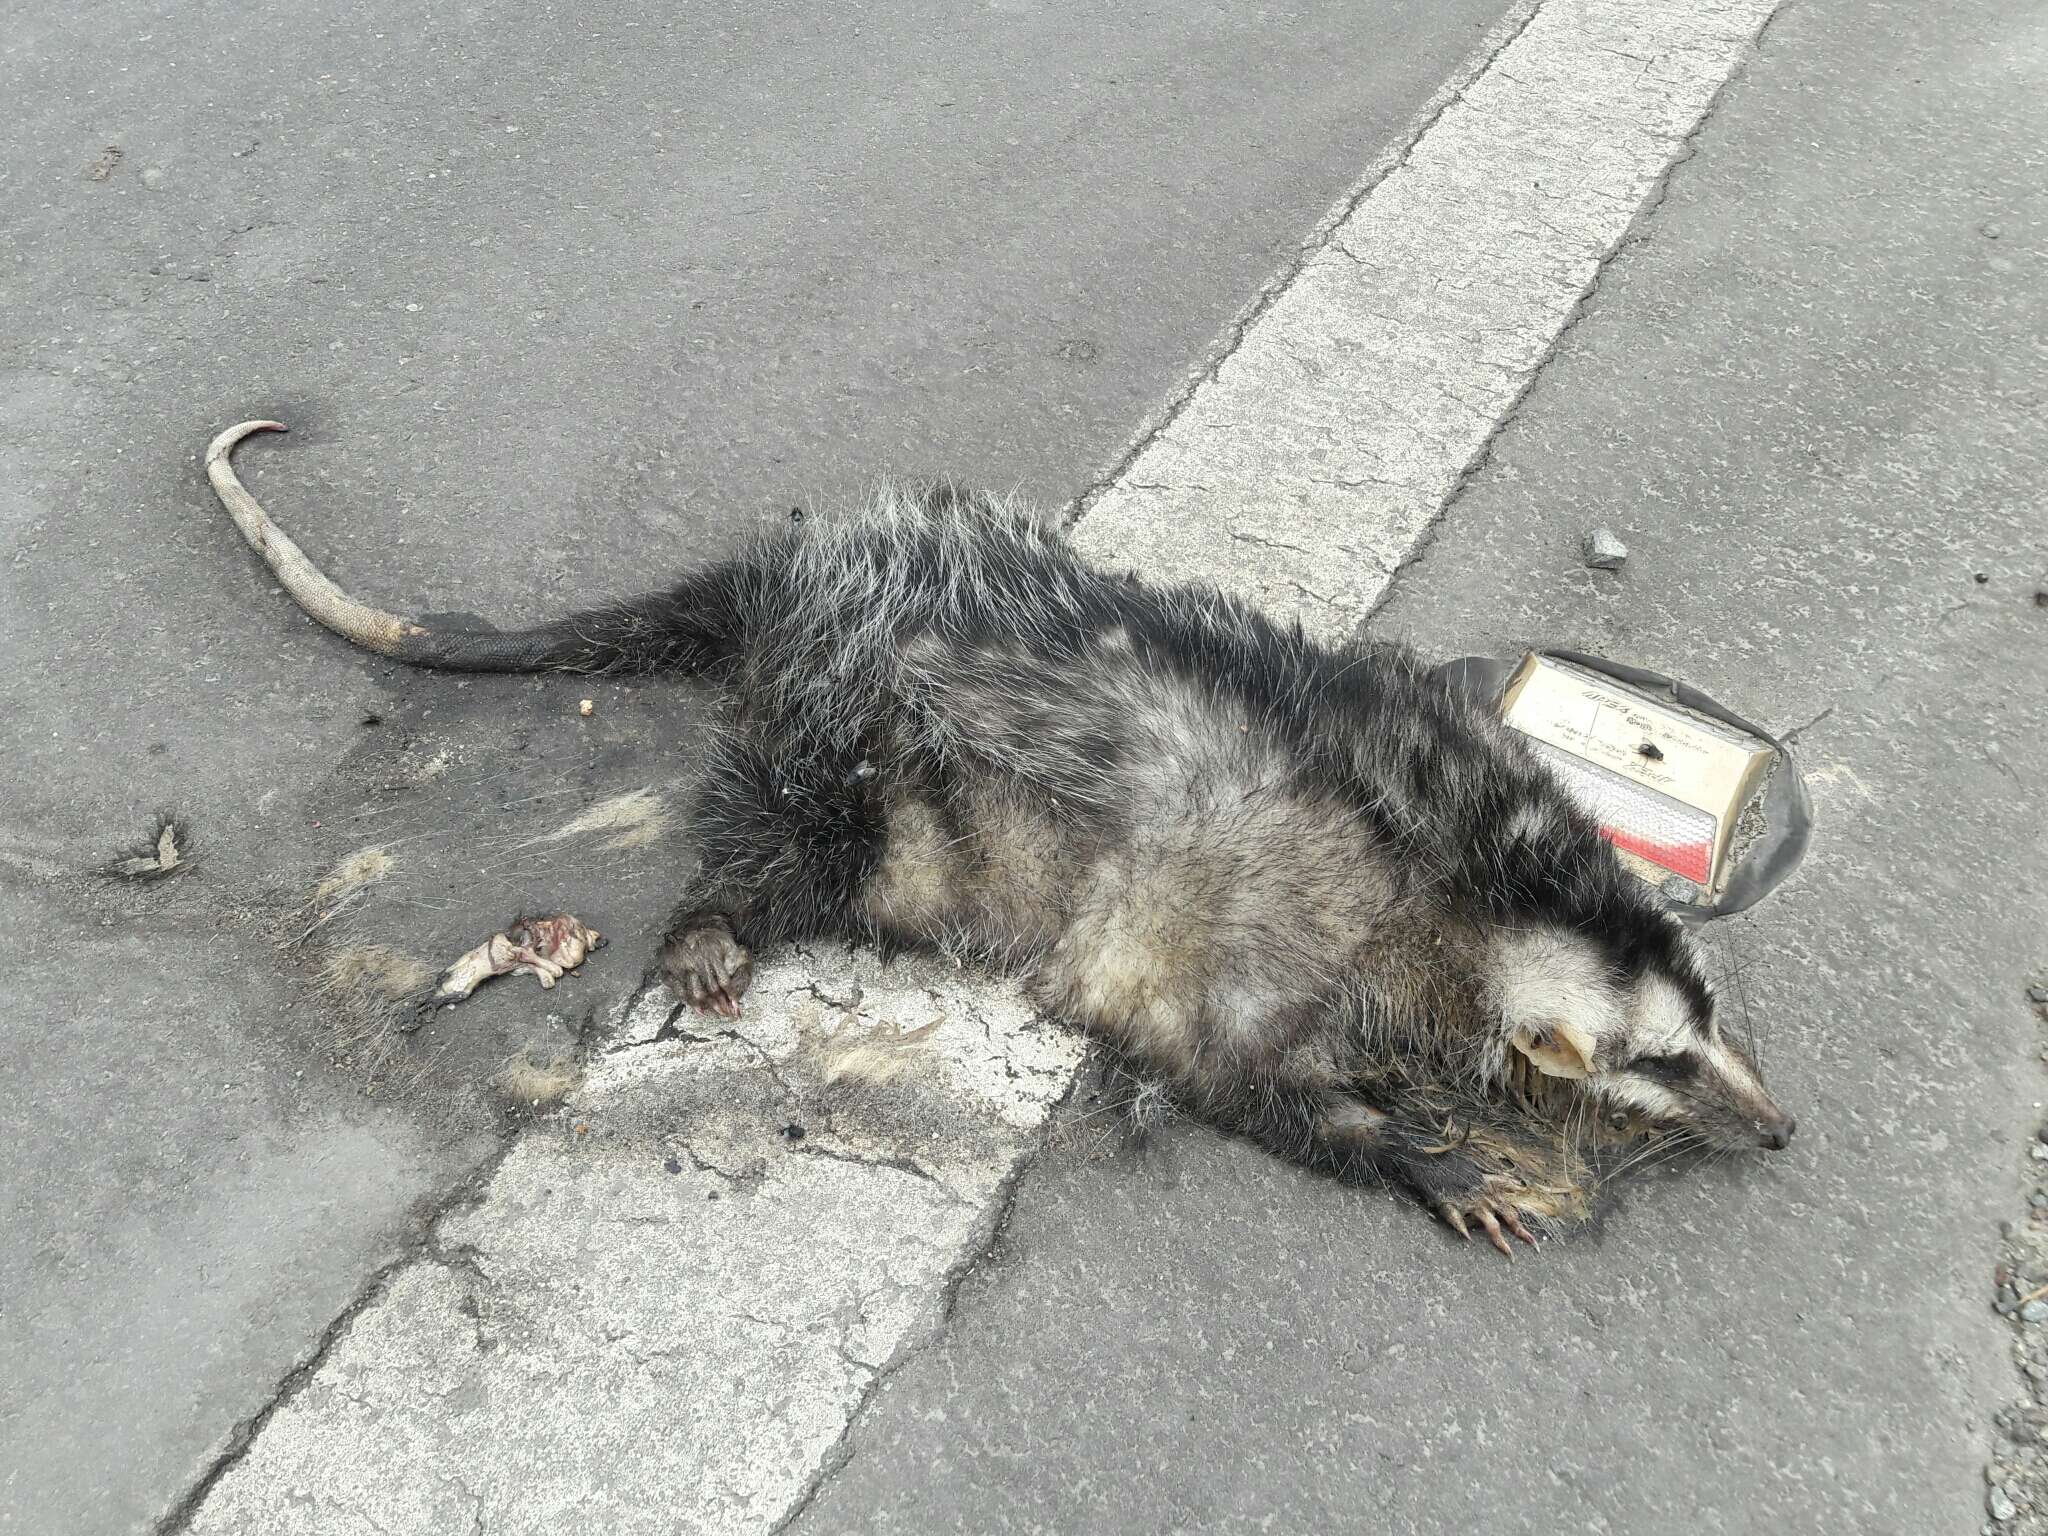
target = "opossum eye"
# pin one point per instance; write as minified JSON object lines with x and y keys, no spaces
{"x":1677,"y":1067}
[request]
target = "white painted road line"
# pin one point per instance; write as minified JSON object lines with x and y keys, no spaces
{"x":1303,"y":469}
{"x":667,"y":1307}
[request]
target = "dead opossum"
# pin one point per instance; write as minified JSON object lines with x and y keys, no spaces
{"x":1333,"y":906}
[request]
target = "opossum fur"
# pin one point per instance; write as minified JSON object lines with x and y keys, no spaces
{"x":1333,"y":905}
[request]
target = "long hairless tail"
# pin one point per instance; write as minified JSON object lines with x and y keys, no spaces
{"x":686,"y":628}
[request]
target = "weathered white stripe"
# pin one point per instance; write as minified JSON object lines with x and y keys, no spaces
{"x":604,"y":1344}
{"x":666,"y":1308}
{"x":1303,"y":469}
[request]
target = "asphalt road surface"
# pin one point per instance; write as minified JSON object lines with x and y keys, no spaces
{"x":556,"y":300}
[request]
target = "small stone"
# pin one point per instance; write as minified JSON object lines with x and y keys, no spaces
{"x":2038,"y":1152}
{"x":1998,"y":1506}
{"x":153,"y":178}
{"x":2038,"y":995}
{"x":1990,"y":231}
{"x":586,"y":707}
{"x":1679,"y":889}
{"x":2008,"y":1229}
{"x":2038,"y":1200}
{"x":2003,"y":1307}
{"x":2037,"y":1372}
{"x":2034,"y":1311}
{"x":1603,"y":551}
{"x":671,"y":1165}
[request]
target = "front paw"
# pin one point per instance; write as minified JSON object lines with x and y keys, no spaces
{"x":707,"y":967}
{"x":1497,"y":1186}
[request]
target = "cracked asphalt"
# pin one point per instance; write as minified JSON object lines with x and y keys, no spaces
{"x":540,"y":294}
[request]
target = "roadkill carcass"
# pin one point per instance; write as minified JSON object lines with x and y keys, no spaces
{"x":1328,"y":902}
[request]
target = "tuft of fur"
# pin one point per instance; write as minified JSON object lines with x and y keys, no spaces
{"x":364,"y":867}
{"x":635,"y":819}
{"x":524,"y":1083}
{"x":355,"y":972}
{"x":867,"y":1053}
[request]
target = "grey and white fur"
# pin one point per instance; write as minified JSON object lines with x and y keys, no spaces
{"x":1332,"y":905}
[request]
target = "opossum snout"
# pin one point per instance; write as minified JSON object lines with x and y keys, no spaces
{"x":1776,"y":1135}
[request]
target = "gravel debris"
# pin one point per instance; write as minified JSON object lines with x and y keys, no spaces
{"x":1603,"y":550}
{"x":2016,"y":1480}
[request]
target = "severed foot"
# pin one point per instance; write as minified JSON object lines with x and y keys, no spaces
{"x":544,"y":947}
{"x":707,"y":967}
{"x":1494,"y":1212}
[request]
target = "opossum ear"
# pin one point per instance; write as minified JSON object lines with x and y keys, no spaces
{"x":1559,"y":1049}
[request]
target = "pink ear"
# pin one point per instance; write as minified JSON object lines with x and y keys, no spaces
{"x":1559,"y":1049}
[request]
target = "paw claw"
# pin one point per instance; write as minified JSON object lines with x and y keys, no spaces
{"x":1493,"y":1232}
{"x":1495,"y":1215}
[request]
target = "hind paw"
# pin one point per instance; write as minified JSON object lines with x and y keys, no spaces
{"x":1494,"y":1213}
{"x":707,"y":967}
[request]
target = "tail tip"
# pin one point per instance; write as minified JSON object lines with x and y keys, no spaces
{"x":218,"y":449}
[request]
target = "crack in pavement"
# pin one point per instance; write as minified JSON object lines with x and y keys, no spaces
{"x":979,"y":1252}
{"x":178,"y":1518}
